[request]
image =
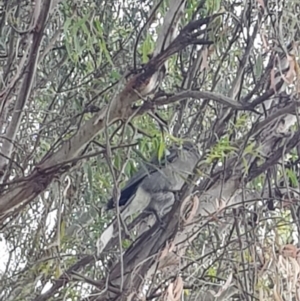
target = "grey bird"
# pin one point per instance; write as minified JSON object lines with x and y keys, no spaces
{"x":152,"y":188}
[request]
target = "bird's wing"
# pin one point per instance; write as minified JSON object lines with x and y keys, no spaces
{"x":146,"y":169}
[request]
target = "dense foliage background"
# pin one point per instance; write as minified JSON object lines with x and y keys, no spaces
{"x":73,"y":129}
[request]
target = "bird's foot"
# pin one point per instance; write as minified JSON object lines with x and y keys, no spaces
{"x":177,"y":196}
{"x":161,"y":223}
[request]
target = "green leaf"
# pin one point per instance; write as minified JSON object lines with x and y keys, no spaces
{"x":213,"y":5}
{"x":98,"y":26}
{"x":105,"y":51}
{"x":115,"y":75}
{"x":292,"y":176}
{"x":147,"y":48}
{"x":161,"y":150}
{"x":258,"y":66}
{"x":117,"y":161}
{"x":126,"y":243}
{"x":67,"y":24}
{"x":130,"y":168}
